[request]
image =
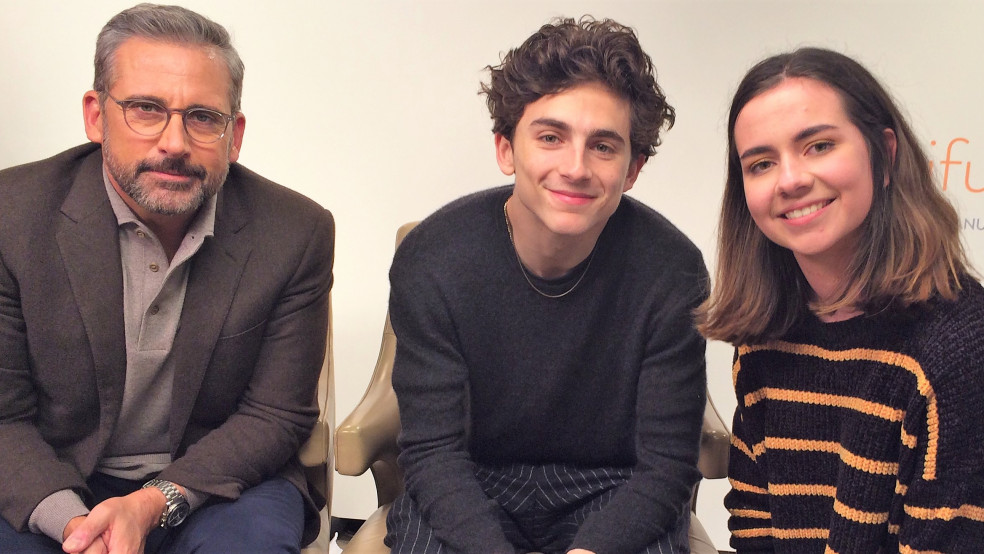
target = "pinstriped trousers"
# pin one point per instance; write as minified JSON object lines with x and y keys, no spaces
{"x":542,"y":508}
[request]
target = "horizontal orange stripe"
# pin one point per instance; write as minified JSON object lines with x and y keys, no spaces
{"x":969,"y":511}
{"x":857,"y":462}
{"x":822,"y":399}
{"x":816,"y":533}
{"x":782,"y":533}
{"x":791,"y":489}
{"x":906,"y":549}
{"x":868,"y":465}
{"x":745,"y":487}
{"x":802,"y":445}
{"x":860,"y":516}
{"x":751,"y":514}
{"x":805,"y":533}
{"x":752,"y":533}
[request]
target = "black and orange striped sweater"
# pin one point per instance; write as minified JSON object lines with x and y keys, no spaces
{"x":863,"y":436}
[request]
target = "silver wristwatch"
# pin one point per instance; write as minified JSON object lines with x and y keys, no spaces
{"x":177,"y":508}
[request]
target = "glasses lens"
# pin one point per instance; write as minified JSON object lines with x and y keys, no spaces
{"x":205,"y":125}
{"x":145,"y":118}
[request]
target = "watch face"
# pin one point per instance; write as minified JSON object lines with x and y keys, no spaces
{"x":177,"y":514}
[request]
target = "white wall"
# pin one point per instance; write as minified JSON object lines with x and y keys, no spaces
{"x":371,"y":109}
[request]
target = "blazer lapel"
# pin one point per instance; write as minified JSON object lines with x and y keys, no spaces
{"x":212,"y":283}
{"x":88,"y":240}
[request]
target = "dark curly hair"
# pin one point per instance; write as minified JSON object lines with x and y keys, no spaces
{"x":566,"y":53}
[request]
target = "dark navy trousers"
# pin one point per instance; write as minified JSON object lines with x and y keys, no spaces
{"x":268,"y":518}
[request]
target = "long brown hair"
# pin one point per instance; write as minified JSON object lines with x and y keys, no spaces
{"x":910,"y":246}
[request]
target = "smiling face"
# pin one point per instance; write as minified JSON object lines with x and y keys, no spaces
{"x":168,"y":174}
{"x":572,"y":161}
{"x":806,"y":171}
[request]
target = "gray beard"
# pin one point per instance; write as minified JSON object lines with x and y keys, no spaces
{"x":140,"y":195}
{"x":127,"y":177}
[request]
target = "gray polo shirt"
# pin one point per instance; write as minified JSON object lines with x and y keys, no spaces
{"x":153,"y":295}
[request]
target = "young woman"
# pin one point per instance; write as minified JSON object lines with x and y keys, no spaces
{"x":859,"y":327}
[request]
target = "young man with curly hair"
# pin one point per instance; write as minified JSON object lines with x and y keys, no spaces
{"x":550,"y":380}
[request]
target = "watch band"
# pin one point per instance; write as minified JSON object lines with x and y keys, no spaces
{"x":177,"y":507}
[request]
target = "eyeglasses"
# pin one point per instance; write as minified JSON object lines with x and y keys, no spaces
{"x":149,"y":119}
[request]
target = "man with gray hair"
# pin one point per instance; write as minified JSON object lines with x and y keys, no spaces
{"x":163,"y":316}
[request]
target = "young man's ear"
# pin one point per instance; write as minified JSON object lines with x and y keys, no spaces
{"x":635,"y":166}
{"x":504,"y":154}
{"x":92,"y":116}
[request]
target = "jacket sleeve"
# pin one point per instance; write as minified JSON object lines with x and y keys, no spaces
{"x":29,"y":465}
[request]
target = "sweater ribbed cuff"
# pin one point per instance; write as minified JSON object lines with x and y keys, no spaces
{"x":53,"y":513}
{"x":196,"y":498}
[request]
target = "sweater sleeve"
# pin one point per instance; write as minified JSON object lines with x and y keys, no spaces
{"x":669,"y":408}
{"x":941,"y":472}
{"x":430,"y":380}
{"x":748,"y":501}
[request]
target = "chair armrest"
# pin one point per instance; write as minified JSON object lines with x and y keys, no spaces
{"x":317,"y":451}
{"x":715,"y":444}
{"x":366,"y":439}
{"x":369,"y":538}
{"x":314,"y":452}
{"x":700,"y":543}
{"x":369,"y":433}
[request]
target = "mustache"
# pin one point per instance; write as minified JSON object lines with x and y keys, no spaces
{"x":177,"y":166}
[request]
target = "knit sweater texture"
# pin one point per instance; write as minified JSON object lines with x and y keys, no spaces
{"x":863,"y":436}
{"x":490,"y":372}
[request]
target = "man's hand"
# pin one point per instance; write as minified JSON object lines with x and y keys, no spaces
{"x":579,"y":551}
{"x":117,"y":525}
{"x":97,"y":546}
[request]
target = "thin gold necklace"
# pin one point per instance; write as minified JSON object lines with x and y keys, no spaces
{"x":523,"y":267}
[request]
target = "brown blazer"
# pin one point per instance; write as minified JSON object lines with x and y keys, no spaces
{"x":248,"y":349}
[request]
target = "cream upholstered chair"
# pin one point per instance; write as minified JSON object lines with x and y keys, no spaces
{"x":317,"y":454}
{"x":366,"y":440}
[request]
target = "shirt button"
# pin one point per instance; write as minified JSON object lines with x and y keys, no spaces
{"x":141,"y":234}
{"x":154,"y":309}
{"x":154,"y":267}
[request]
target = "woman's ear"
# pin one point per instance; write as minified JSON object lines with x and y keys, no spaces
{"x":891,"y":145}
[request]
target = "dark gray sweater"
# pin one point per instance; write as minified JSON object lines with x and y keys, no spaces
{"x":490,"y":372}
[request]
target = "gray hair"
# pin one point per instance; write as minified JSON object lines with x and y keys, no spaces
{"x":172,"y":24}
